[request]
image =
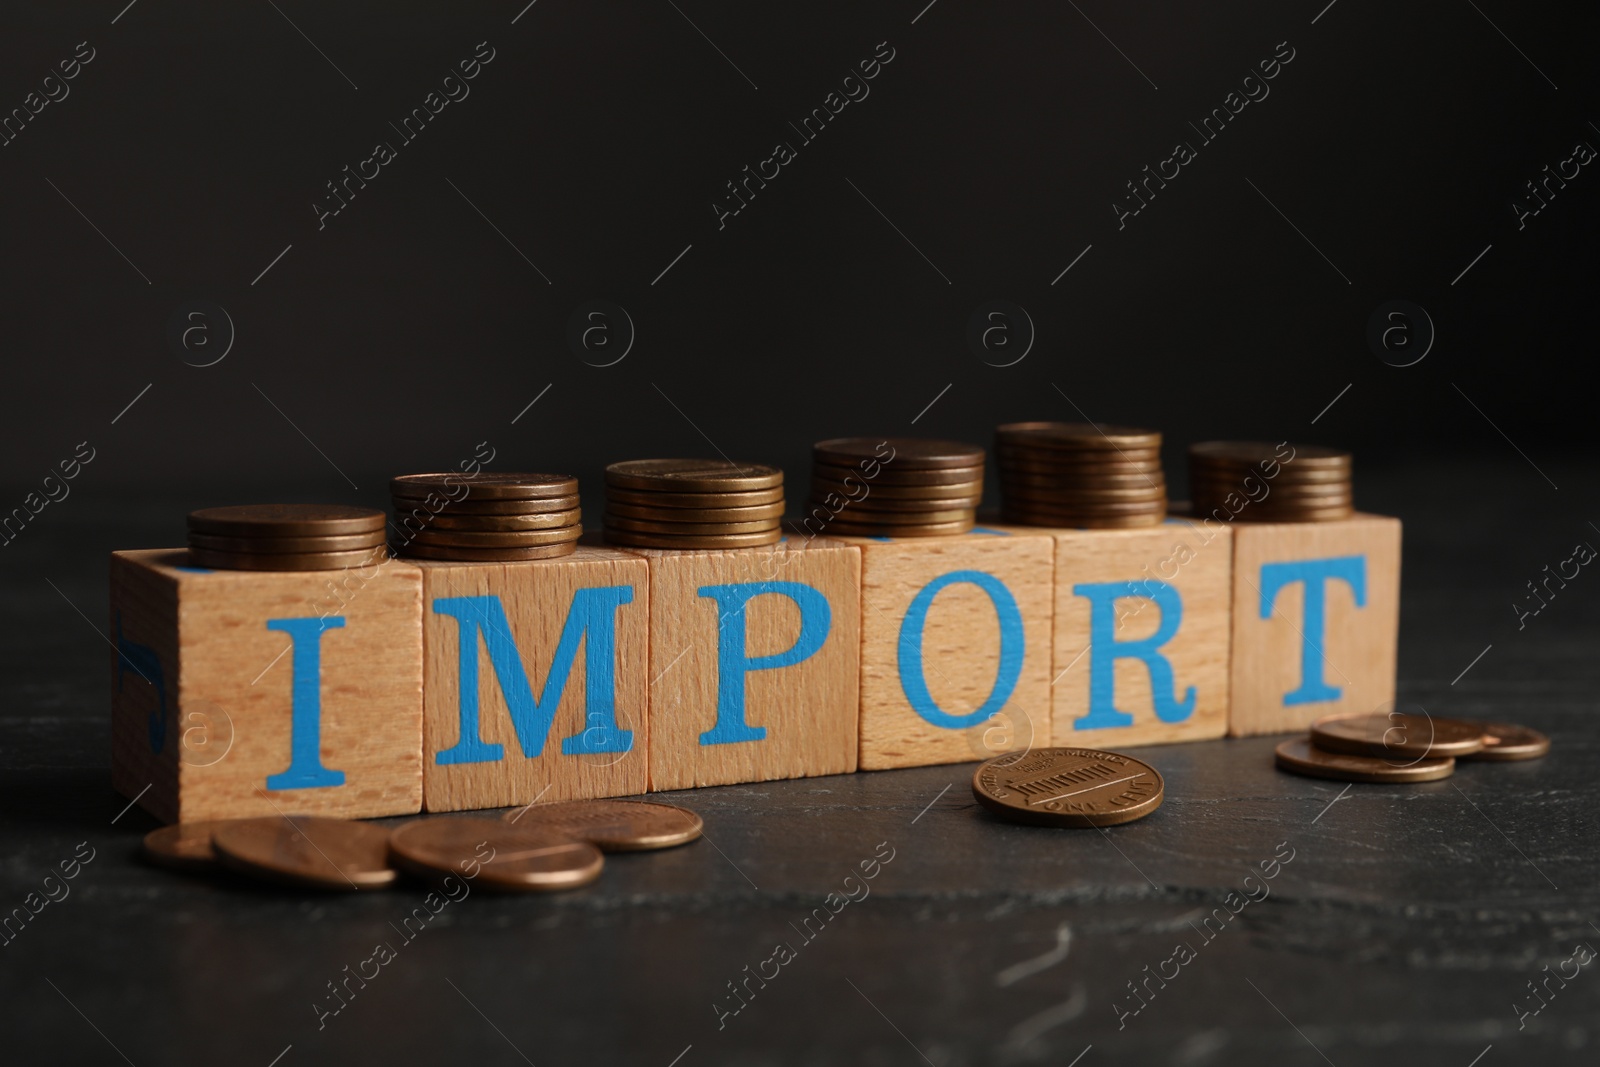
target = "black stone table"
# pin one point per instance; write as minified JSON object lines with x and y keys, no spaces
{"x":1403,"y":924}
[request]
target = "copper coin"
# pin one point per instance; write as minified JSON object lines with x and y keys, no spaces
{"x":1283,"y":474}
{"x":184,"y":846}
{"x":667,"y":499}
{"x":692,"y":475}
{"x":549,"y":520}
{"x":1300,"y":756}
{"x":331,"y":543}
{"x":902,"y":453}
{"x":286,"y":561}
{"x":615,"y":825}
{"x":1078,"y":435}
{"x":1267,"y":452}
{"x":834,"y":501}
{"x":1068,"y":787}
{"x":691,"y":529}
{"x":1017,"y":517}
{"x":929,"y":529}
{"x":1065,"y":459}
{"x":499,"y":485}
{"x":1073,"y":506}
{"x":960,"y":490}
{"x":1155,"y":490}
{"x":895,"y":518}
{"x":1503,"y":743}
{"x":496,"y":538}
{"x":470,"y":554}
{"x":1278,"y":488}
{"x":753,"y":514}
{"x":286,"y":520}
{"x":440,"y":505}
{"x":1396,"y":735}
{"x":306,"y":850}
{"x":637,"y":539}
{"x":888,"y":475}
{"x":523,"y":858}
{"x":1086,"y":478}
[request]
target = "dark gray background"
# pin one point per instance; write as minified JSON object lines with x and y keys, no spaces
{"x":409,"y":330}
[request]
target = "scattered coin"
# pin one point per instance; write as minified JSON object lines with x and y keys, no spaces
{"x":615,"y":825}
{"x":307,"y":851}
{"x":505,"y":485}
{"x":1503,"y":743}
{"x":525,"y":858}
{"x":1300,"y":756}
{"x":1396,"y":735}
{"x":184,"y":846}
{"x":1068,"y":787}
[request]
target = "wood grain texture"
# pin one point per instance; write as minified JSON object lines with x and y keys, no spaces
{"x":1197,"y":564}
{"x":227,"y":678}
{"x":960,"y":647}
{"x":808,"y":709}
{"x":1359,"y":643}
{"x":536,"y":597}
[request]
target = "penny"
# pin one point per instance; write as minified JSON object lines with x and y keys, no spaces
{"x":549,"y":520}
{"x":898,"y":453}
{"x":616,"y":522}
{"x":930,"y":529}
{"x":1078,"y":435}
{"x":1300,"y":756}
{"x":308,"y":851}
{"x":184,"y":846}
{"x":615,"y":825}
{"x":1503,"y":742}
{"x":330,"y":543}
{"x":834,"y":500}
{"x":894,"y":518}
{"x":285,"y":520}
{"x":1396,"y":735}
{"x":692,"y":475}
{"x":637,"y":539}
{"x":286,"y":561}
{"x":1068,"y":787}
{"x":496,"y":538}
{"x":522,"y":858}
{"x":1044,"y":501}
{"x":887,"y":475}
{"x":1283,"y":474}
{"x":1156,"y":491}
{"x":961,"y":490}
{"x":1067,"y":459}
{"x":440,"y":505}
{"x":469,"y":554}
{"x":1266,"y":452}
{"x":653,"y":514}
{"x":500,"y":485}
{"x":1255,"y":486}
{"x":668,"y":499}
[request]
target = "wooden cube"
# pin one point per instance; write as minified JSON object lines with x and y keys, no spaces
{"x":1142,"y":625}
{"x":754,"y":661}
{"x":534,"y":680}
{"x":1316,"y":621}
{"x":955,"y":646}
{"x":249,"y":693}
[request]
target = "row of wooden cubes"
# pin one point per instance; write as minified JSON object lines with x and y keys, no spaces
{"x":443,"y":686}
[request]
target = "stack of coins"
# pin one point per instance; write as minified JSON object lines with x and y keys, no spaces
{"x":693,"y":503}
{"x":486,"y":517}
{"x":285,"y":537}
{"x":1254,"y":481}
{"x":1082,"y":474}
{"x":896,"y":486}
{"x":1403,"y":746}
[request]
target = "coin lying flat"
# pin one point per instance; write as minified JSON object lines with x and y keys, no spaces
{"x":1396,"y":735}
{"x":692,"y":475}
{"x":1068,"y":787}
{"x":1078,"y":436}
{"x":651,"y":498}
{"x":184,"y":846}
{"x":899,"y":453}
{"x":691,"y":529}
{"x":636,"y":539}
{"x":496,"y":538}
{"x":329,"y":543}
{"x":1300,"y":756}
{"x":1243,"y":453}
{"x":308,"y":851}
{"x":285,"y":520}
{"x":524,"y":858}
{"x":539,"y":520}
{"x":501,"y":485}
{"x":471,"y":554}
{"x":286,"y":561}
{"x":756,"y":513}
{"x":889,"y":475}
{"x":471,"y":507}
{"x":1504,"y":742}
{"x":926,"y":529}
{"x":615,"y":825}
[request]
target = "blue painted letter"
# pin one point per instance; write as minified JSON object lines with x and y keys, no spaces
{"x":1315,"y":573}
{"x":1013,"y":643}
{"x":816,"y":620}
{"x":305,"y":701}
{"x":591,"y":618}
{"x":1105,"y":650}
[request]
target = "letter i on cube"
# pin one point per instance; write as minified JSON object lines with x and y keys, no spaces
{"x":1316,"y":621}
{"x":255,"y":693}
